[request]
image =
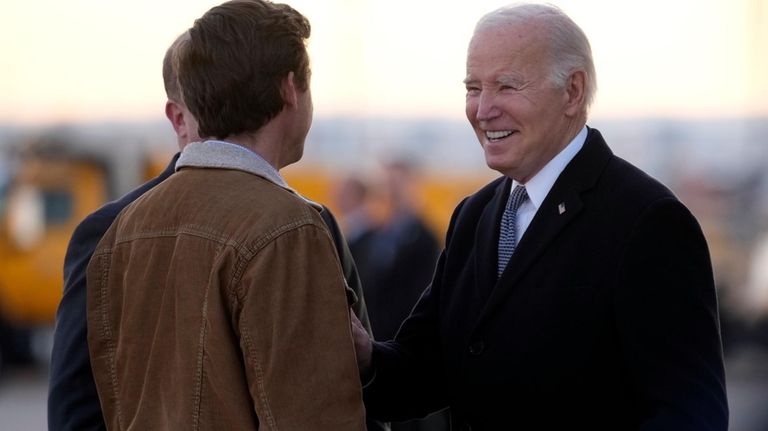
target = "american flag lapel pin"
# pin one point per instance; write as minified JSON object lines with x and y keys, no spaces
{"x":561,"y":208}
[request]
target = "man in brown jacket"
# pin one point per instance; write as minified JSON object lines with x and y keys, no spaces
{"x":216,"y":300}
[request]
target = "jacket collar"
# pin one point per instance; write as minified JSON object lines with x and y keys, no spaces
{"x":225,"y":155}
{"x":539,"y":186}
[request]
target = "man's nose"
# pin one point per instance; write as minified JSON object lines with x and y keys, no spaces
{"x":486,"y":106}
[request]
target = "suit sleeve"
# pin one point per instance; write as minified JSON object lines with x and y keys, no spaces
{"x":73,"y":403}
{"x":667,"y":319}
{"x":296,"y":336}
{"x":410,"y":380}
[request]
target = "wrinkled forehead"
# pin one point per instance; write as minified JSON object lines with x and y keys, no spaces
{"x":507,"y":34}
{"x":505,"y":52}
{"x":504,"y":41}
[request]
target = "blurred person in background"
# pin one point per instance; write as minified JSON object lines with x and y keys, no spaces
{"x":395,"y":253}
{"x":401,"y":253}
{"x":352,"y":196}
{"x":575,"y":291}
{"x":73,"y":402}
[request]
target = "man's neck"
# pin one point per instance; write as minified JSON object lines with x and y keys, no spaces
{"x":259,"y":142}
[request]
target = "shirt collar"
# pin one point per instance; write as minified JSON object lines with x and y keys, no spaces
{"x":225,"y":155}
{"x":539,"y":186}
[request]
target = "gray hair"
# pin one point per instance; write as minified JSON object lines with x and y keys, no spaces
{"x":569,"y":47}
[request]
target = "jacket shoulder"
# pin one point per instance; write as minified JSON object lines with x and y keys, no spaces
{"x":630,"y":184}
{"x":612,"y":177}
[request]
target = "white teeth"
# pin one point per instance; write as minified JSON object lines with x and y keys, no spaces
{"x":498,"y":134}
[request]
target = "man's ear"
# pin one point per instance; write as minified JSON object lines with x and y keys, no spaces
{"x":289,"y":91}
{"x":175,"y":114}
{"x":575,"y":89}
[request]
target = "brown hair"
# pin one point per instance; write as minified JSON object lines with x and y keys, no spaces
{"x":231,"y":67}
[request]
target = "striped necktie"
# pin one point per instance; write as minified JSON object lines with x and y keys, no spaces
{"x":508,"y":231}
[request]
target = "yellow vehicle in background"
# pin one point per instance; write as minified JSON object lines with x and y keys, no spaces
{"x":52,"y":187}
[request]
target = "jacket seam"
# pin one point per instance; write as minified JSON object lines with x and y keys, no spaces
{"x":237,"y":295}
{"x":200,"y":372}
{"x":191,"y":230}
{"x":252,"y":249}
{"x":106,"y":333}
{"x":270,"y":418}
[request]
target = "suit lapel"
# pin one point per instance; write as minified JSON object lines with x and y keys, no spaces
{"x":561,"y":206}
{"x":487,"y":240}
{"x":544,"y":228}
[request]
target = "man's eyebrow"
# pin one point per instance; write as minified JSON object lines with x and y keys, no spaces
{"x":501,"y":80}
{"x":510,"y":80}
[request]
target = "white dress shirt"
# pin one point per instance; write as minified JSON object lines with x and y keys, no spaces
{"x":539,"y":186}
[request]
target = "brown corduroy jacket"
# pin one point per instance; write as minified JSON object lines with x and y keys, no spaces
{"x":216,"y":302}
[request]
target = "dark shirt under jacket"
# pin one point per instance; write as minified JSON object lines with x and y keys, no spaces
{"x":605,"y":318}
{"x":73,"y":403}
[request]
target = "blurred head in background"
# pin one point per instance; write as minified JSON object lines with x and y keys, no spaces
{"x":350,"y":194}
{"x":397,"y":185}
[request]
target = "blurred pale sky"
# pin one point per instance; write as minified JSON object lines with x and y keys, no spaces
{"x":84,"y":60}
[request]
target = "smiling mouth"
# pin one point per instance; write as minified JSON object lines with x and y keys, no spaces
{"x":498,"y":135}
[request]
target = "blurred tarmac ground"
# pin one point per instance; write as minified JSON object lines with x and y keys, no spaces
{"x":24,"y":390}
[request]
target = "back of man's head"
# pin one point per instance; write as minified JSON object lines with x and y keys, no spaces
{"x":233,"y":63}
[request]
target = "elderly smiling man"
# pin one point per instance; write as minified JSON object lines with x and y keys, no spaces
{"x":575,"y":291}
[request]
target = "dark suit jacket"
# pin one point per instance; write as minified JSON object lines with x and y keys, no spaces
{"x":73,"y":403}
{"x":605,"y":318}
